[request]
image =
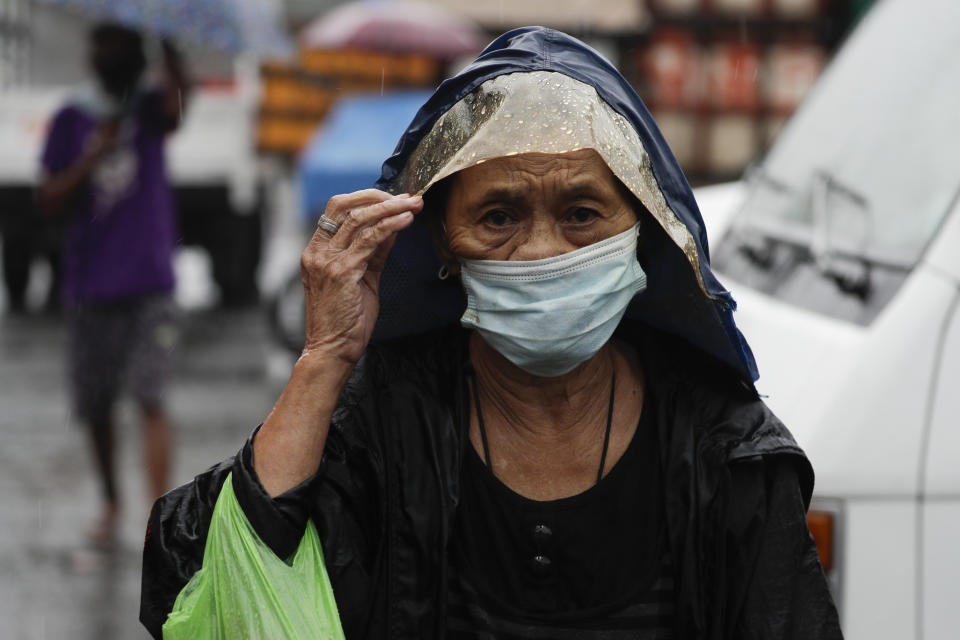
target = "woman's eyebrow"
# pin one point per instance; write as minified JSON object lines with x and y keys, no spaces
{"x":580,"y":186}
{"x":576,"y":187}
{"x":510,"y":195}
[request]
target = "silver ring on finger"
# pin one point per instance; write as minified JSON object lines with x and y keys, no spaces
{"x":328,"y":225}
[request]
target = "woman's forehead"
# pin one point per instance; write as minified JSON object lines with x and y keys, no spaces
{"x":530,"y":170}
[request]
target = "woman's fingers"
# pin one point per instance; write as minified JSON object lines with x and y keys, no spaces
{"x":339,"y":206}
{"x":369,"y":221}
{"x":359,"y":219}
{"x":375,"y":239}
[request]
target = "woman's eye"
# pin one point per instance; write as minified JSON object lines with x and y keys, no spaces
{"x":581,"y":215}
{"x":497,"y":218}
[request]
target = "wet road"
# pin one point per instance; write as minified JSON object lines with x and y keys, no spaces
{"x":51,"y":585}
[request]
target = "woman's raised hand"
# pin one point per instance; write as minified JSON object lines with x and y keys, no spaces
{"x":341,"y":274}
{"x":341,"y":270}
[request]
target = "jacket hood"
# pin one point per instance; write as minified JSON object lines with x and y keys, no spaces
{"x":452,"y":131}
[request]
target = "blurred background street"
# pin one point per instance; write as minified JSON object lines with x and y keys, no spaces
{"x":53,"y":585}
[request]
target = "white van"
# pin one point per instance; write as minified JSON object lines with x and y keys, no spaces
{"x":843,"y":250}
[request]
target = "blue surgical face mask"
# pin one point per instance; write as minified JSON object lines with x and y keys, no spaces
{"x":547,"y":316}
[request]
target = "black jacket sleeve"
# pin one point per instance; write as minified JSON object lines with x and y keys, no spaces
{"x":775,"y":570}
{"x":177,"y":529}
{"x":279,"y":521}
{"x":343,"y":499}
{"x":174,"y":543}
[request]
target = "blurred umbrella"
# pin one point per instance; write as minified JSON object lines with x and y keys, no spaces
{"x":231,"y":25}
{"x":399,"y":26}
{"x":346,"y":152}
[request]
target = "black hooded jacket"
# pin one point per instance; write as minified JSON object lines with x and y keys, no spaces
{"x":736,"y":488}
{"x":736,"y":485}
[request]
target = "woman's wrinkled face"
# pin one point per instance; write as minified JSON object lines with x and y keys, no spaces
{"x":535,"y":205}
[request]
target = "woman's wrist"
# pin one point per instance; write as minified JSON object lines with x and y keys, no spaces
{"x":318,"y":365}
{"x":313,"y":390}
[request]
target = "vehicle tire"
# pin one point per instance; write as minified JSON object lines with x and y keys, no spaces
{"x":287,"y":314}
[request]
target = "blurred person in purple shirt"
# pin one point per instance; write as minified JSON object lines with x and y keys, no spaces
{"x":104,"y":175}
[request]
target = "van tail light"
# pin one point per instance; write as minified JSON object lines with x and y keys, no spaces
{"x":822,"y":529}
{"x":826,"y":520}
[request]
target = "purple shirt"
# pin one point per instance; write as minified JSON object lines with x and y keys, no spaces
{"x":122,"y":229}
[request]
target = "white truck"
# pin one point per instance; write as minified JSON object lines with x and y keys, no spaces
{"x":843,"y":250}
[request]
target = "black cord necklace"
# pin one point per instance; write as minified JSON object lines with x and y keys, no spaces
{"x":606,"y":436}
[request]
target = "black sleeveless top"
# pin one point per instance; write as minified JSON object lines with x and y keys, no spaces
{"x":593,"y":565}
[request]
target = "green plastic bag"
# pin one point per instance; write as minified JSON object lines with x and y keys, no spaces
{"x":245,"y":591}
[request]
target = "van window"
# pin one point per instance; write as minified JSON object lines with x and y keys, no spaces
{"x":861,"y":178}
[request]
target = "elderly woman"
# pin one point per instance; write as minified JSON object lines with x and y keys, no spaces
{"x":523,"y":408}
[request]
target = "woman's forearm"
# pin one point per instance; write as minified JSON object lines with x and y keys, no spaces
{"x":288,"y":448}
